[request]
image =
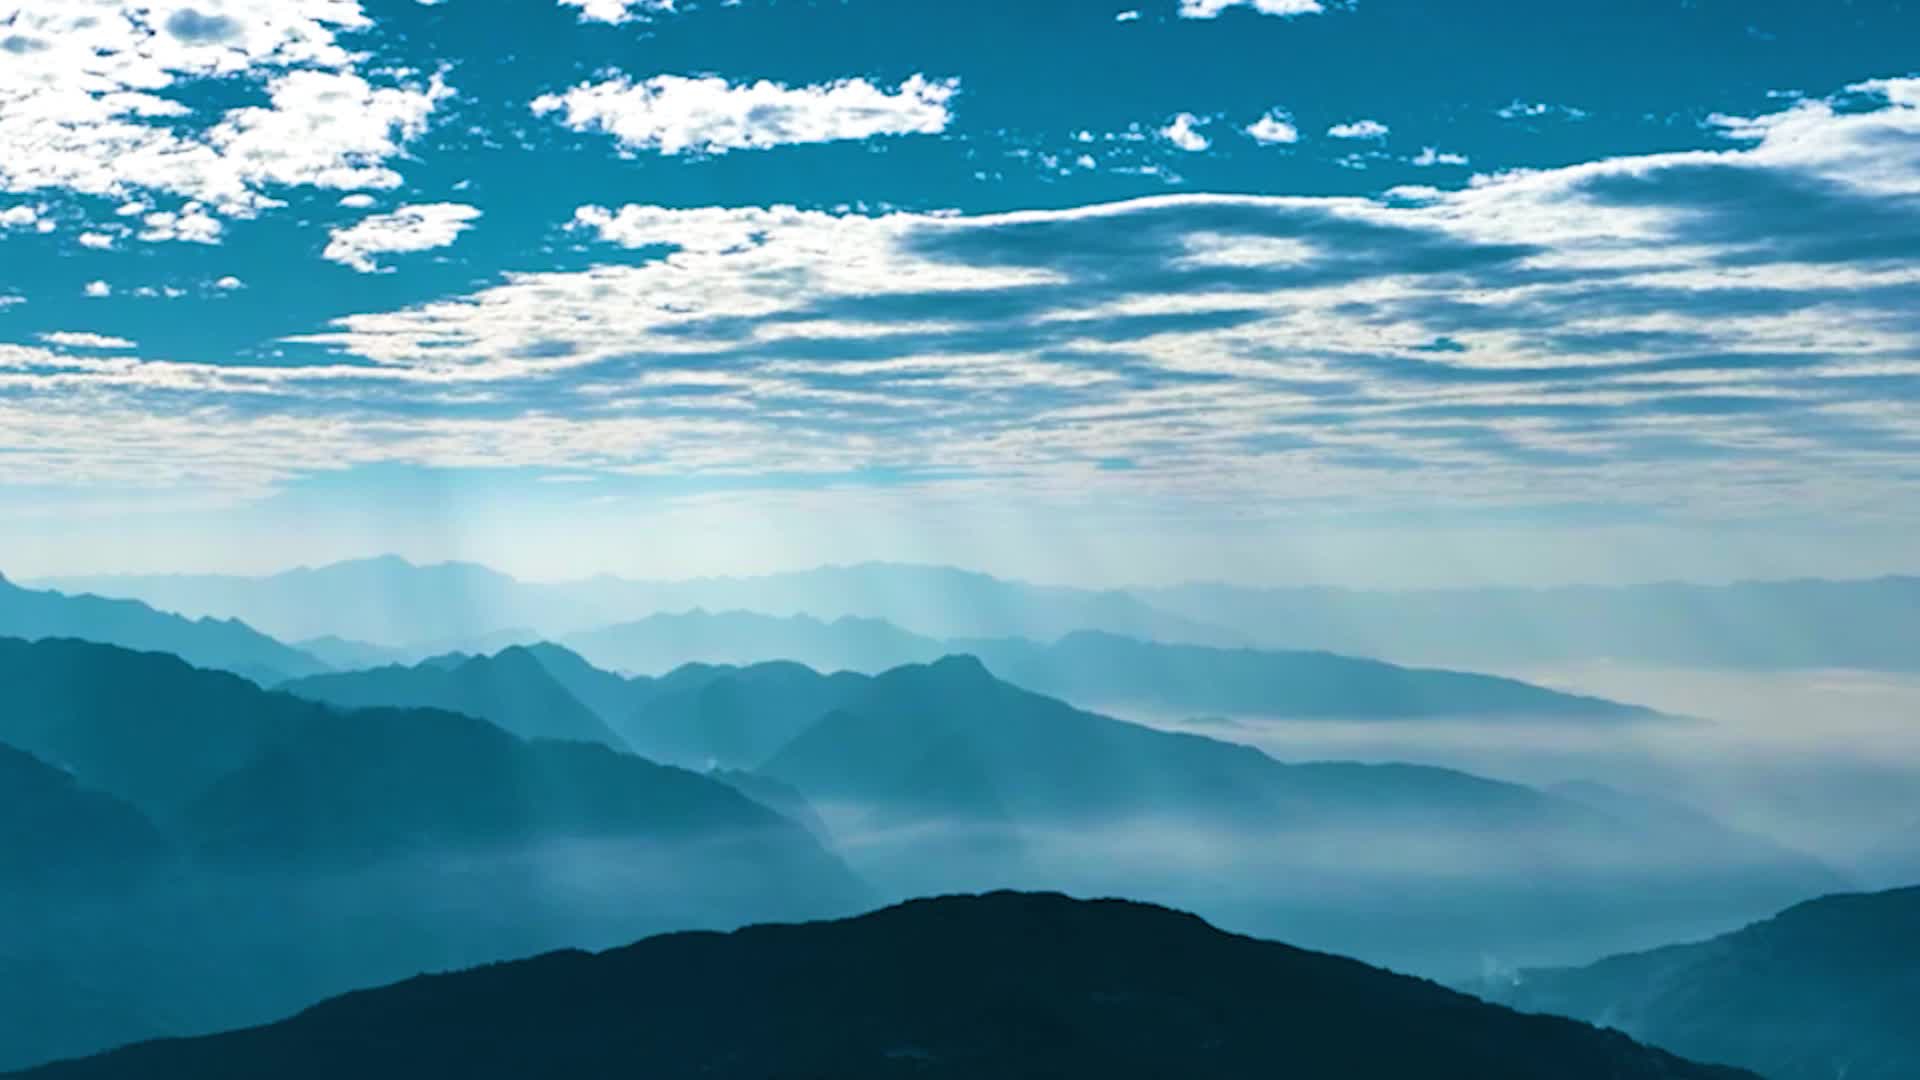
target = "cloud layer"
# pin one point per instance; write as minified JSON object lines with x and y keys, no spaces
{"x":262,"y":244}
{"x":1622,"y":326}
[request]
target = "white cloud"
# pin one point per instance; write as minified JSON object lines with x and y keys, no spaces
{"x":421,"y":227}
{"x":190,"y":223}
{"x":673,"y":114}
{"x":24,"y":216}
{"x":1359,"y":129}
{"x":1429,"y":156}
{"x":1184,"y":133}
{"x":1274,"y":127}
{"x":1127,"y":16}
{"x":76,"y":339}
{"x":1517,"y":110}
{"x":1207,"y":9}
{"x":85,"y":79}
{"x":99,"y":241}
{"x":98,"y":289}
{"x":618,"y":11}
{"x":359,"y":200}
{"x":229,"y":283}
{"x":328,"y":129}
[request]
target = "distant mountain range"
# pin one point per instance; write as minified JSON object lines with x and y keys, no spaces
{"x":1004,"y":985}
{"x":1750,"y":625}
{"x":1098,"y":668}
{"x":705,"y":715}
{"x":218,"y":643}
{"x":1826,"y":989}
{"x":948,"y":741}
{"x":1090,"y":667}
{"x":1895,"y":859}
{"x":1758,"y":625}
{"x":662,"y":642}
{"x":388,"y":601}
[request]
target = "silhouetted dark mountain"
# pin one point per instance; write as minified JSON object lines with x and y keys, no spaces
{"x":660,"y":643}
{"x":912,"y":731}
{"x":323,"y":849}
{"x":703,"y":716}
{"x":1004,"y":985}
{"x":613,"y":698}
{"x":229,"y":645}
{"x":377,"y":782}
{"x":1099,"y":668}
{"x":1761,"y":625}
{"x":512,"y":688}
{"x":147,"y":727}
{"x":53,"y":831}
{"x":1826,"y":990}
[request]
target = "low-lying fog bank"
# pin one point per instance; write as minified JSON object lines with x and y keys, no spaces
{"x":1826,"y":762}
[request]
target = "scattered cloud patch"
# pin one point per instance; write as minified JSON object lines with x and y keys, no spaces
{"x":1208,"y":9}
{"x":191,"y":223}
{"x":1127,"y":16}
{"x":1359,"y":129}
{"x":1524,"y":110}
{"x":618,"y":11}
{"x":75,"y":339}
{"x":98,"y":289}
{"x":1276,"y":127}
{"x":1184,"y":133}
{"x":229,"y":283}
{"x":675,"y":114}
{"x":1428,"y":157}
{"x":24,"y":216}
{"x":422,"y":227}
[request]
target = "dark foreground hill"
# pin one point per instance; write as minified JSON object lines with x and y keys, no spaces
{"x":1004,"y":985}
{"x":1825,"y":990}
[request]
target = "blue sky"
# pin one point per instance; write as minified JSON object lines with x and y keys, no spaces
{"x":1276,"y":290}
